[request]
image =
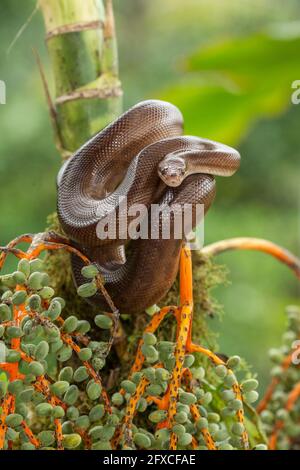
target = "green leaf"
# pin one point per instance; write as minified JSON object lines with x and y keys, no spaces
{"x":232,"y":83}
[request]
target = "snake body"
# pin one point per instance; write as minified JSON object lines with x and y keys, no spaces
{"x":143,"y":157}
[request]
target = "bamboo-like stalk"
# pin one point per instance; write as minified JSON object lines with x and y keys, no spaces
{"x":82,"y":46}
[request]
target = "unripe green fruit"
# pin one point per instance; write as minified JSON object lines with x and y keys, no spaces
{"x":249,"y":385}
{"x":178,"y":429}
{"x":64,"y":354}
{"x":54,"y":310}
{"x":83,"y":422}
{"x":26,"y":395}
{"x":181,"y":417}
{"x":150,"y":374}
{"x":117,"y":399}
{"x":152,"y":310}
{"x":261,"y":447}
{"x":149,"y":351}
{"x":6,"y":296}
{"x":19,"y":297}
{"x":16,"y":386}
{"x":80,"y":374}
{"x":202,"y":423}
{"x":24,"y":267}
{"x":45,"y":279}
{"x":225,"y":446}
{"x":199,"y":373}
{"x":96,"y":413}
{"x":251,"y":397}
{"x":93,"y":390}
{"x":13,"y":356}
{"x":60,"y":387}
{"x":46,"y":438}
{"x":235,"y":404}
{"x":228,"y":395}
{"x":162,"y":375}
{"x":71,"y":396}
{"x":46,"y":292}
{"x":185,"y":439}
{"x":60,"y":300}
{"x":234,"y":362}
{"x":66,"y":374}
{"x":136,"y":377}
{"x":70,"y":324}
{"x":230,"y":380}
{"x":206,"y":399}
{"x":89,"y":272}
{"x":221,"y":371}
{"x":14,"y":332}
{"x":98,"y":363}
{"x":36,"y":368}
{"x":42,"y":350}
{"x":34,"y":302}
{"x":72,"y":413}
{"x":189,"y":360}
{"x":142,"y":405}
{"x":87,"y":290}
{"x":112,"y":420}
{"x":220,"y":435}
{"x":103,"y":321}
{"x":19,"y":277}
{"x":43,"y":409}
{"x":36,"y":265}
{"x":238,"y":429}
{"x":154,"y":389}
{"x":85,"y":354}
{"x":14,"y":420}
{"x":71,"y":441}
{"x":101,"y":445}
{"x":187,"y":398}
{"x":35,"y":281}
{"x":5,"y":313}
{"x":149,"y":339}
{"x":58,"y":412}
{"x":157,"y":416}
{"x":141,"y":440}
{"x":83,"y":327}
{"x":27,"y":446}
{"x":267,"y":416}
{"x":56,"y":346}
{"x":213,"y":417}
{"x":128,"y":386}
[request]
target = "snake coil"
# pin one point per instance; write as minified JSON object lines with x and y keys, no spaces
{"x":142,"y":158}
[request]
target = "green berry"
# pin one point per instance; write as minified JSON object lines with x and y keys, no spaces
{"x":14,"y":420}
{"x":83,"y":326}
{"x":19,"y":277}
{"x":43,"y":409}
{"x":251,"y":397}
{"x":221,"y":371}
{"x":46,"y":438}
{"x":157,"y":416}
{"x":5,"y":313}
{"x":71,"y":441}
{"x":70,"y":324}
{"x":93,"y":390}
{"x":66,"y":374}
{"x":83,"y":422}
{"x":46,"y":292}
{"x":58,"y":412}
{"x":117,"y":399}
{"x":149,"y":339}
{"x":60,"y":387}
{"x":14,"y":332}
{"x":185,"y":439}
{"x":35,"y":281}
{"x":187,"y":398}
{"x":42,"y":350}
{"x":89,"y":272}
{"x":141,"y":440}
{"x":24,"y":267}
{"x":103,"y":321}
{"x":234,"y":362}
{"x":249,"y":385}
{"x":178,"y":429}
{"x":238,"y":429}
{"x":36,"y":265}
{"x":189,"y":360}
{"x":54,"y":310}
{"x":128,"y":386}
{"x":81,"y":374}
{"x":35,"y":302}
{"x":96,"y":413}
{"x":181,"y":417}
{"x":36,"y":368}
{"x":71,"y":396}
{"x":19,"y":297}
{"x":202,"y":423}
{"x":85,"y":354}
{"x":87,"y":290}
{"x":152,"y":310}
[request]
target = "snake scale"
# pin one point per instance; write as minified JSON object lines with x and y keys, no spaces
{"x":143,"y":157}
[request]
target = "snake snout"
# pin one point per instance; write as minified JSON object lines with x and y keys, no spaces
{"x":172,"y":172}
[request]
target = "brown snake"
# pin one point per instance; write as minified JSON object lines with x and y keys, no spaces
{"x":144,"y":157}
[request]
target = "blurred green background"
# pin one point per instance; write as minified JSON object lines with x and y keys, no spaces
{"x":229,"y":65}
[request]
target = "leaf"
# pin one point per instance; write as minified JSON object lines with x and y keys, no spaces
{"x":231,"y":84}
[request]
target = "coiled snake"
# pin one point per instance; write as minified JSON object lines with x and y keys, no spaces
{"x":142,"y":157}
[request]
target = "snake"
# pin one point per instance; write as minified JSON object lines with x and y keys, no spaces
{"x":142,"y":158}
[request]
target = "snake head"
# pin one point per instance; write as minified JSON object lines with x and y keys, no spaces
{"x":172,"y":170}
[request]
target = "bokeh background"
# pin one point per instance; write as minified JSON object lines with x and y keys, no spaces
{"x":229,"y":65}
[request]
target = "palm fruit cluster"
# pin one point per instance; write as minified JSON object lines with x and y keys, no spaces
{"x":280,"y":408}
{"x":52,"y":394}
